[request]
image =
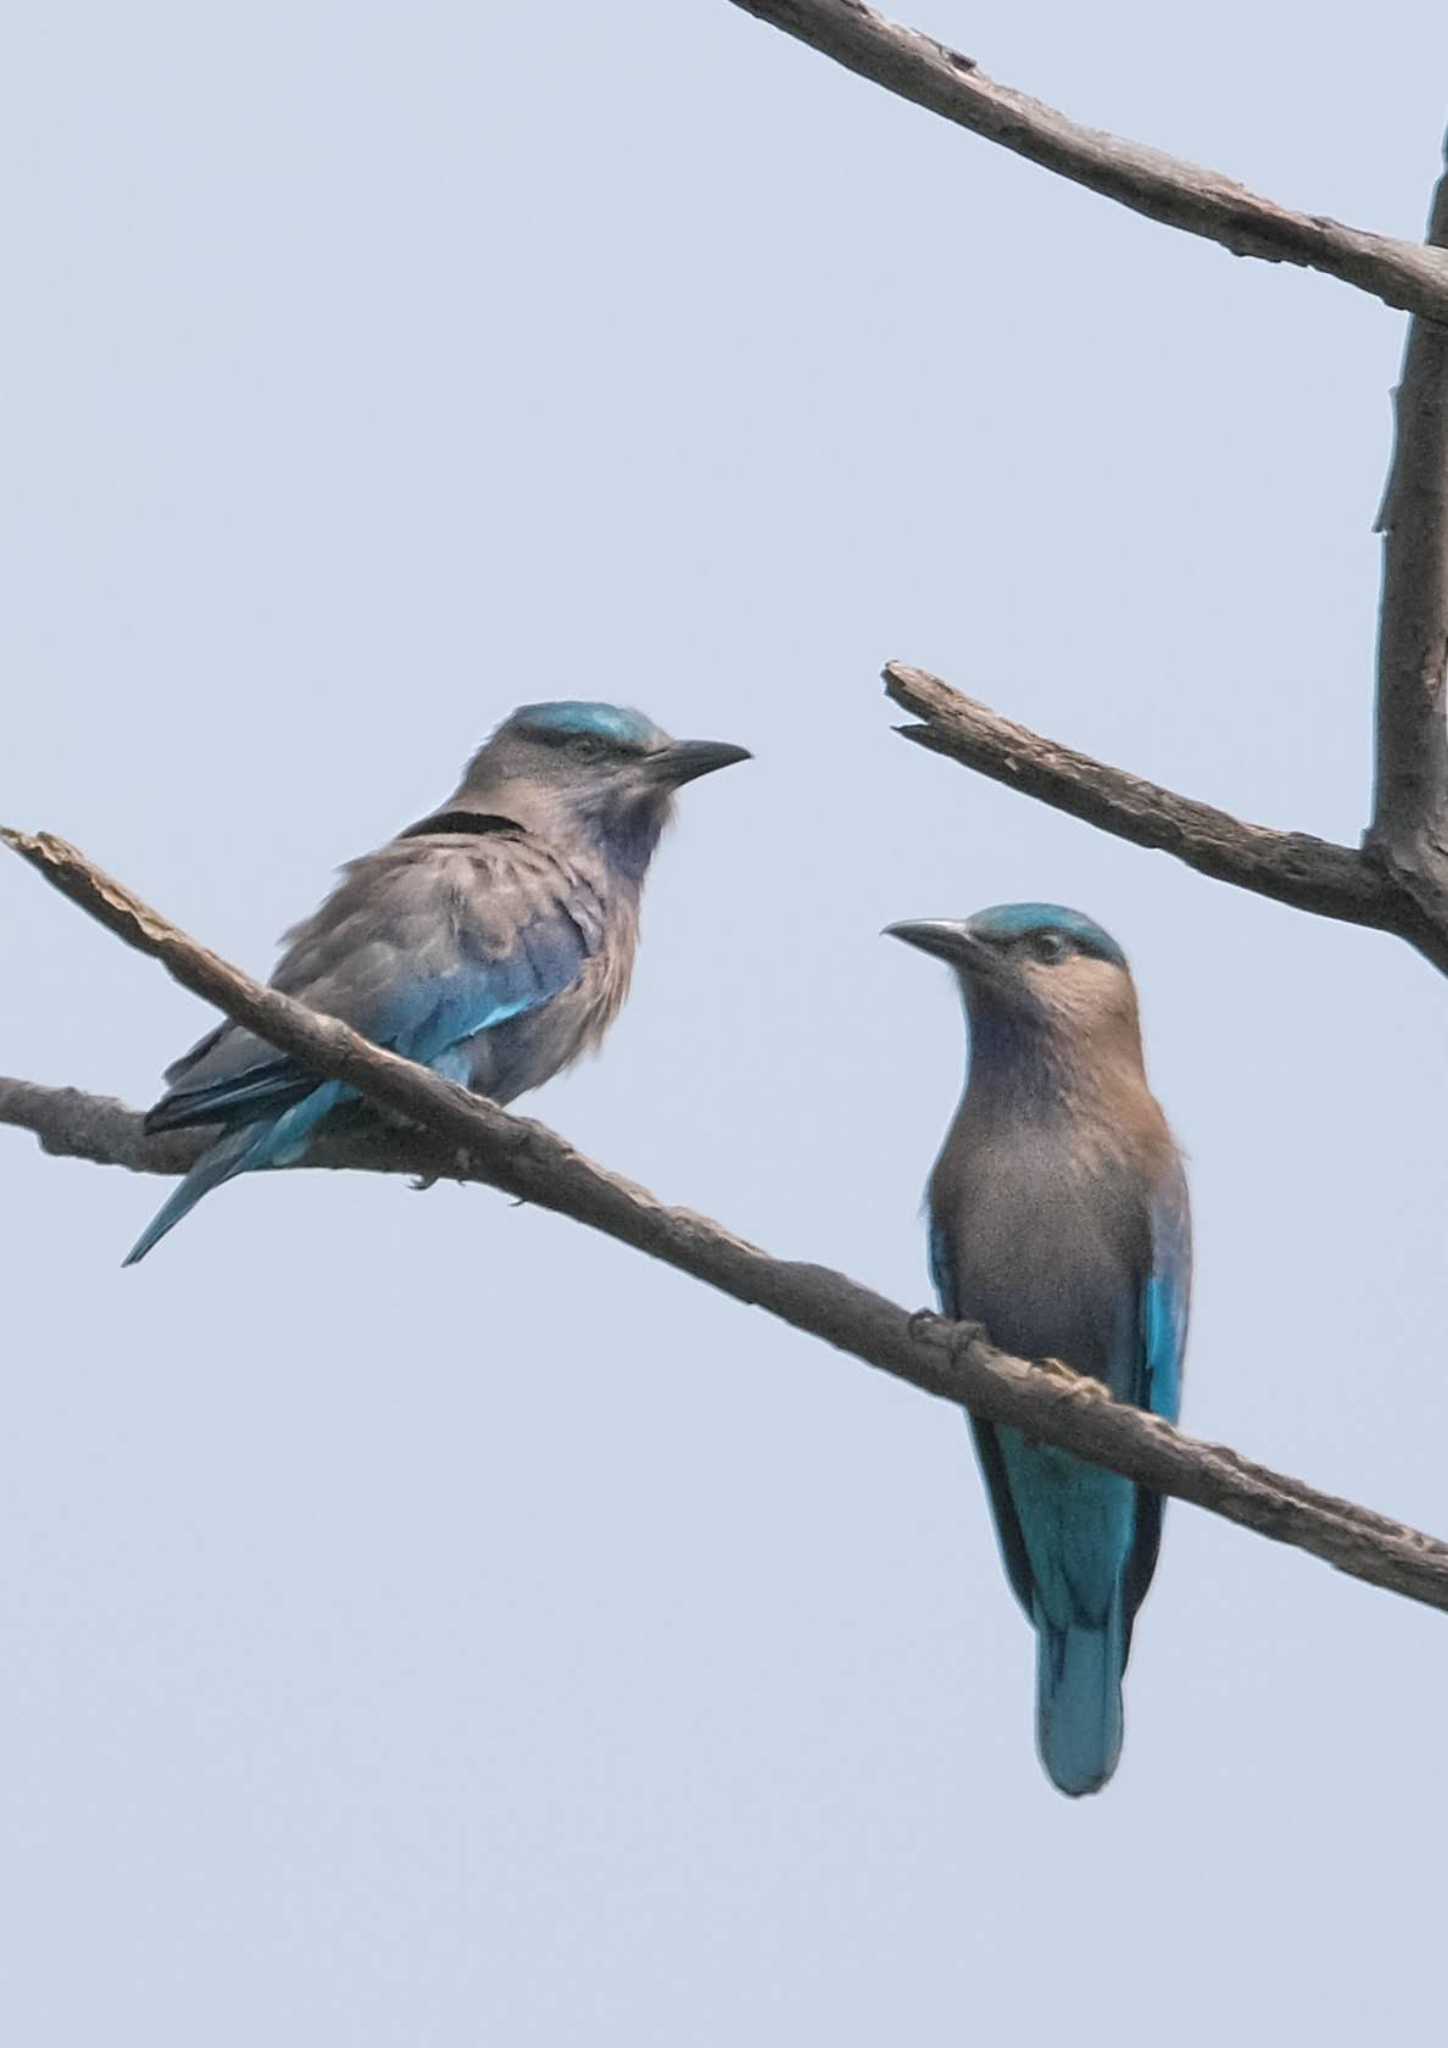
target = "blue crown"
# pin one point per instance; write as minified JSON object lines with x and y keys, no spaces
{"x":1013,"y":920}
{"x":611,"y":722}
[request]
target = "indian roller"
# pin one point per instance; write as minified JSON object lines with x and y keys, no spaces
{"x":1059,"y":1219}
{"x":492,"y":941}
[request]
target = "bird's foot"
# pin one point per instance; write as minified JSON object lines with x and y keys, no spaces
{"x":1084,"y":1385}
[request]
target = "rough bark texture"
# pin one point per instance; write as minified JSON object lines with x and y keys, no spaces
{"x":70,"y":1124}
{"x":1409,"y":833}
{"x":1399,"y":881}
{"x":1180,"y":195}
{"x":1291,"y":867}
{"x":481,"y":1142}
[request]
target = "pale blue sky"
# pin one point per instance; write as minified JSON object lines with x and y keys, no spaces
{"x":423,"y":1623}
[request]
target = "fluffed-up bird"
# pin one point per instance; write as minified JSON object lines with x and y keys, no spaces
{"x":1059,"y":1219}
{"x":493,"y":941}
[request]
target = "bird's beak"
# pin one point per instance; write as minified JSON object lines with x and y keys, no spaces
{"x":686,"y":760}
{"x":944,"y":939}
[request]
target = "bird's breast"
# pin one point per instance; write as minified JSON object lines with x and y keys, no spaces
{"x":1045,"y":1241}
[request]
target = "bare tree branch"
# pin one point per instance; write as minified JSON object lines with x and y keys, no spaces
{"x":482,"y":1142}
{"x":1399,"y":881}
{"x":1291,"y":867}
{"x":1409,"y":832}
{"x":1181,"y":195}
{"x":73,"y":1125}
{"x":70,"y":1124}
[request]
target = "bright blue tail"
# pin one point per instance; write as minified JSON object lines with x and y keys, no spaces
{"x":280,"y":1141}
{"x":227,"y":1156}
{"x":1078,"y":1701}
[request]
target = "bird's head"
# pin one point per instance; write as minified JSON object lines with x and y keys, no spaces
{"x":608,"y":770}
{"x":1031,"y":968}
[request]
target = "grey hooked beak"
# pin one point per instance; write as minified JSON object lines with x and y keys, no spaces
{"x":945,"y":939}
{"x":686,"y":760}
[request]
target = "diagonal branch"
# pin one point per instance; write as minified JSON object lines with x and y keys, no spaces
{"x":1409,"y":832}
{"x":1399,"y":882}
{"x":1164,"y":188}
{"x":1291,"y":867}
{"x":952,"y":1360}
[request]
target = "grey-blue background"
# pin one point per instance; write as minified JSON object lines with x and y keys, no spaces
{"x":422,"y":1622}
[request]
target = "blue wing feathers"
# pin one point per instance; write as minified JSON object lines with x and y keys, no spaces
{"x":426,"y":1021}
{"x":419,"y":950}
{"x":1167,"y":1297}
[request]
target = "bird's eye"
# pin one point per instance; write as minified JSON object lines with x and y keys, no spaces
{"x":1048,"y":947}
{"x":586,"y":746}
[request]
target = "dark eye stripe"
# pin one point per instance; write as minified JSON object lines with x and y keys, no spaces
{"x":598,"y":743}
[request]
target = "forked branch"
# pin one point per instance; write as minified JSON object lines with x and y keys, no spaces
{"x":1399,"y":881}
{"x":1291,"y":867}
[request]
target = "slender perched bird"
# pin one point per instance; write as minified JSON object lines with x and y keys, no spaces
{"x":492,"y":941}
{"x":1059,"y":1220}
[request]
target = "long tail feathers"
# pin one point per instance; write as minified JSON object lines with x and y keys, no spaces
{"x":228,"y":1156}
{"x":1078,"y":1701}
{"x":278,"y":1141}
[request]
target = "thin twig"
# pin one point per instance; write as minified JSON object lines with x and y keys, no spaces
{"x":1410,"y":803}
{"x":954,"y":1361}
{"x":1164,"y":188}
{"x":1291,"y":867}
